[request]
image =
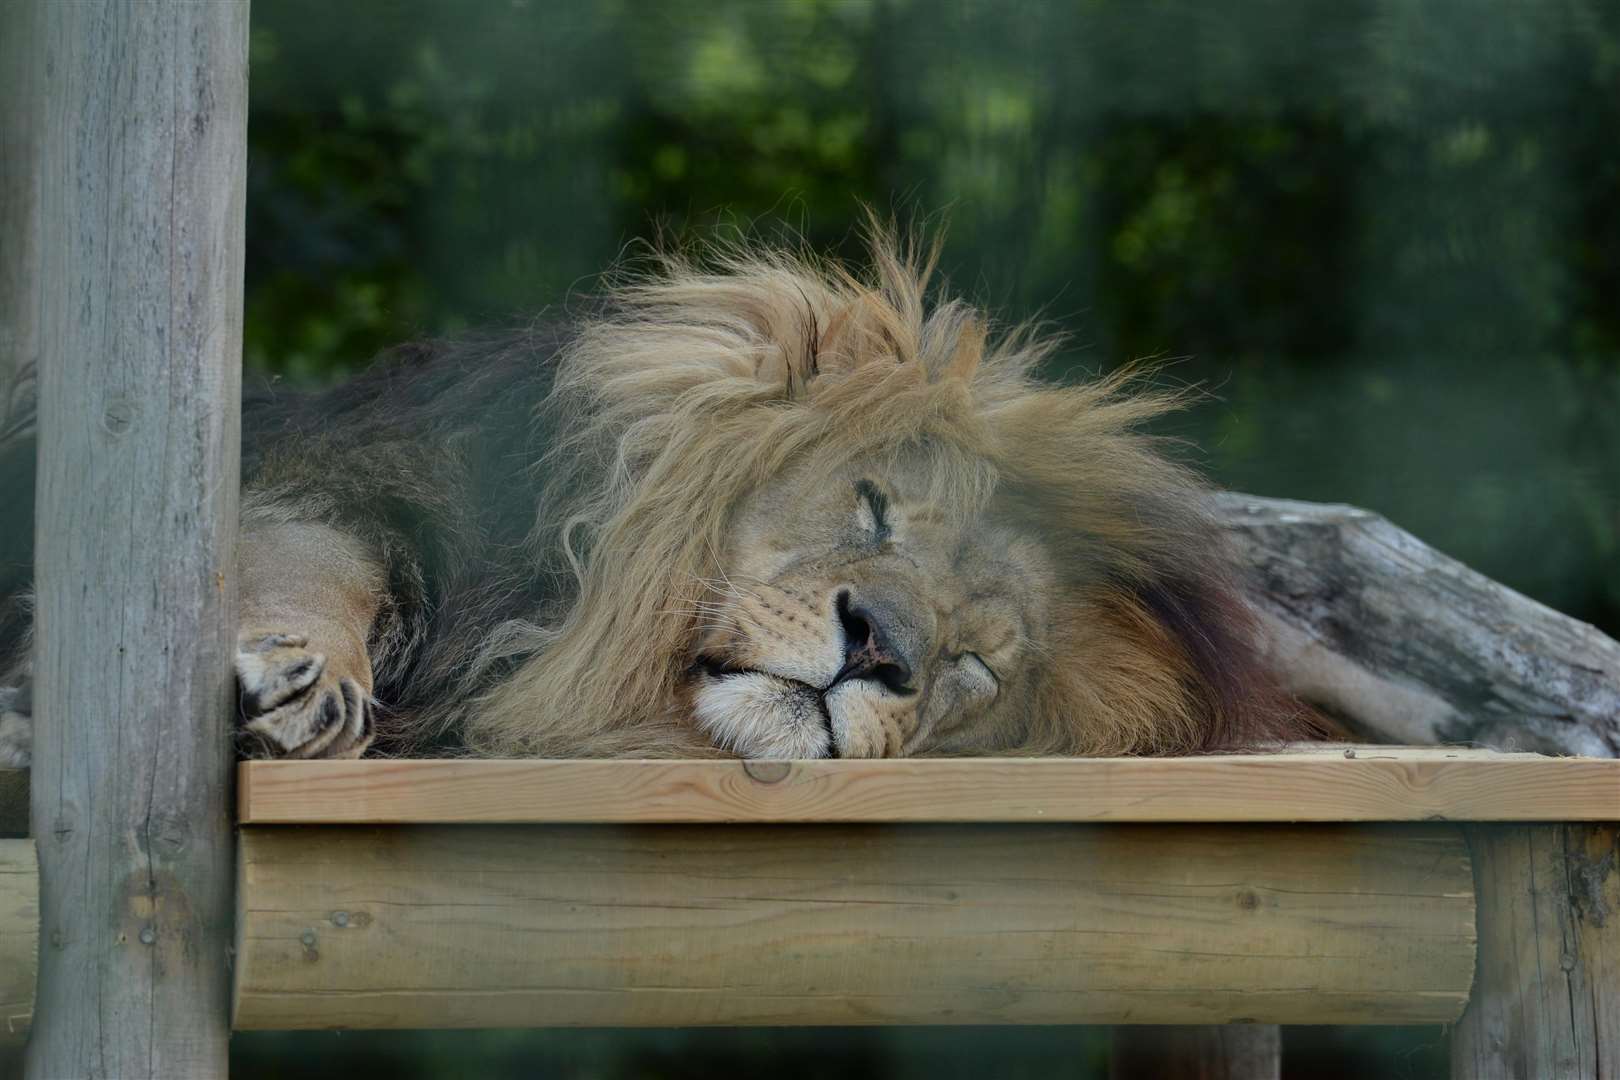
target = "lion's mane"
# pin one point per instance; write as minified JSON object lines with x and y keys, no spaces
{"x":699,"y":381}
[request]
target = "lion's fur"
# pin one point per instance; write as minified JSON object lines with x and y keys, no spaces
{"x":548,"y":507}
{"x":700,"y":383}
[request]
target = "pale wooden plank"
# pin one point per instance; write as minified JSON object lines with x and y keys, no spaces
{"x":442,"y":926}
{"x":19,"y":937}
{"x":1375,"y":784}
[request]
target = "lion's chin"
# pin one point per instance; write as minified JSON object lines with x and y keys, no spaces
{"x":757,"y":715}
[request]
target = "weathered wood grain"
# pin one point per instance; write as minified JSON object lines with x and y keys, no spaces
{"x":1546,"y":1001}
{"x":19,"y":937}
{"x":141,"y":253}
{"x":1410,"y":646}
{"x":680,"y":925}
{"x":1322,"y":784}
{"x":1196,"y":1052}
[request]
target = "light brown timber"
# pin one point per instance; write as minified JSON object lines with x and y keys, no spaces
{"x":142,"y":182}
{"x":19,"y":937}
{"x":456,"y":926}
{"x":1546,"y":1002}
{"x":1319,"y":784}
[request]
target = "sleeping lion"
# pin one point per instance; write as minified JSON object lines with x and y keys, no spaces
{"x":757,"y":506}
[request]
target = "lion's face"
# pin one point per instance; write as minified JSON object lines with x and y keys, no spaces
{"x":861,"y":615}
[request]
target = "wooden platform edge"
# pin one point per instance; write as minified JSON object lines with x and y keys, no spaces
{"x":1319,"y":784}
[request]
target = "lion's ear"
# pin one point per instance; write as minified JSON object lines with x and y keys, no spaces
{"x":964,"y":357}
{"x":862,"y":331}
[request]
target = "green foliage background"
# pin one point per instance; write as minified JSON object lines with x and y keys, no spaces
{"x":1384,"y":234}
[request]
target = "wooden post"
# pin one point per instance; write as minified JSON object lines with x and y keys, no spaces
{"x":1197,"y":1052}
{"x":1546,"y":998}
{"x":141,"y":250}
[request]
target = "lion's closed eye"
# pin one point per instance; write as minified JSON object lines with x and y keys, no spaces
{"x":873,"y":511}
{"x":975,"y":664}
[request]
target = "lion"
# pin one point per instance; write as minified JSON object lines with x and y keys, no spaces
{"x":749,"y":504}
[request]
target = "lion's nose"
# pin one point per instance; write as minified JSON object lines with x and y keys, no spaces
{"x":870,"y":652}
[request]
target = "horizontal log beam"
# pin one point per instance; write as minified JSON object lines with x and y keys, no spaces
{"x":808,"y":925}
{"x":1317,"y":784}
{"x":19,"y":937}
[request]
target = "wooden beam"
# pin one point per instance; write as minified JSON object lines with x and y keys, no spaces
{"x":1323,"y":784}
{"x":19,"y":937}
{"x":455,"y":926}
{"x":141,"y":253}
{"x":1547,"y":998}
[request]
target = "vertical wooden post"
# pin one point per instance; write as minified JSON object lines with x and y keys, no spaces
{"x":1546,"y":1000}
{"x":141,"y":210}
{"x":1197,"y":1052}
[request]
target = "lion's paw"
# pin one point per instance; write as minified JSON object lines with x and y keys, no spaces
{"x":299,"y":702}
{"x":16,"y":728}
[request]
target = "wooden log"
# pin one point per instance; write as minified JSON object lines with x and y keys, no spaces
{"x":141,"y":209}
{"x":19,"y":937}
{"x":1546,"y":1001}
{"x":1196,"y":1052}
{"x":1409,"y":646}
{"x":1306,"y":784}
{"x":456,"y":926}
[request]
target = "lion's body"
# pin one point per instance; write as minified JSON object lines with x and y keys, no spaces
{"x":769,"y":510}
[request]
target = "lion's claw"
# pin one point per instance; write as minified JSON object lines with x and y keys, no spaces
{"x":295,"y":704}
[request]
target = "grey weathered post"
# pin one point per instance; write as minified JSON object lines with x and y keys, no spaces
{"x":1546,"y":998}
{"x":141,"y":214}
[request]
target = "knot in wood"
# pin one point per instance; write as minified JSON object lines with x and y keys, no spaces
{"x":118,"y":417}
{"x":768,"y":772}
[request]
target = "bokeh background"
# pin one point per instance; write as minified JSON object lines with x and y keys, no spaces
{"x":1384,"y":235}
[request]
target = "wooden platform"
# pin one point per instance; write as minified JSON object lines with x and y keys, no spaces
{"x":1320,"y":885}
{"x":1180,"y":890}
{"x":1322,"y":784}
